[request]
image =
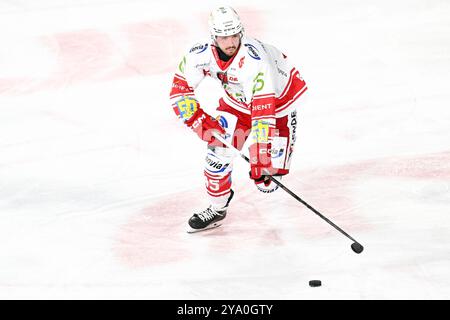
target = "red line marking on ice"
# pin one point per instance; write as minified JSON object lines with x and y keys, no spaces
{"x":146,"y":48}
{"x":329,"y":190}
{"x":157,"y":234}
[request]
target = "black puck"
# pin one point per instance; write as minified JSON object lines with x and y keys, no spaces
{"x":315,"y":283}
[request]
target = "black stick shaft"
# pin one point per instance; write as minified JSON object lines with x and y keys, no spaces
{"x":311,"y":208}
{"x":282,"y":186}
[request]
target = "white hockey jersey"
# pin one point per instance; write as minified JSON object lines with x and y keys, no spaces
{"x":258,"y":80}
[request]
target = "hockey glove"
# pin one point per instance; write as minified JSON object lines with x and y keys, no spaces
{"x":261,"y":167}
{"x":204,"y":125}
{"x":260,"y":161}
{"x":265,"y":183}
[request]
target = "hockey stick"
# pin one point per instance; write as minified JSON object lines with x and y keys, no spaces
{"x":356,"y":246}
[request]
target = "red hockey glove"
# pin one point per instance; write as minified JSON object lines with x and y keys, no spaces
{"x":204,"y":125}
{"x":260,"y":161}
{"x":265,"y":183}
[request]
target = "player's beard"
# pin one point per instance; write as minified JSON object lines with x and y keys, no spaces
{"x":230,"y":50}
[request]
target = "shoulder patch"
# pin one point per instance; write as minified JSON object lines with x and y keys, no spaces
{"x":198,"y":48}
{"x":252,"y":51}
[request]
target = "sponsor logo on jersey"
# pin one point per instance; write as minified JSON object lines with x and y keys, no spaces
{"x":241,"y":62}
{"x":187,"y":106}
{"x":225,"y":78}
{"x":258,"y":82}
{"x":276,"y":153}
{"x":179,"y":86}
{"x":198,"y":122}
{"x":261,"y":107}
{"x":262,"y":45}
{"x":222,"y":121}
{"x":222,"y":76}
{"x":260,"y":131}
{"x":201,"y":65}
{"x":214,"y":163}
{"x":199,"y":48}
{"x":293,"y":125}
{"x":182,"y":65}
{"x":252,"y":51}
{"x":282,"y":72}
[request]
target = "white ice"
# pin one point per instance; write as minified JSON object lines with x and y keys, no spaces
{"x":98,"y":177}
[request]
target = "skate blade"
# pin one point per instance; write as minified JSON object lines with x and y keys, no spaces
{"x":213,"y":226}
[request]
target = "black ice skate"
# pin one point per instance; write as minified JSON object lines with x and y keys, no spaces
{"x":208,"y":218}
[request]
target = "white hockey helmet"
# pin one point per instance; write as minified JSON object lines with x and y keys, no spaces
{"x":224,"y":21}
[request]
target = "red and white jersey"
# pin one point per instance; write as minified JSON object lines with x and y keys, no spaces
{"x":259,"y":80}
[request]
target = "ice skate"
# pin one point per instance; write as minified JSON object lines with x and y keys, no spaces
{"x":209,"y":218}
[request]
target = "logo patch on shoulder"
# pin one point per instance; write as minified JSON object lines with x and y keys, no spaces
{"x":222,"y":121}
{"x":198,"y":48}
{"x":252,"y":51}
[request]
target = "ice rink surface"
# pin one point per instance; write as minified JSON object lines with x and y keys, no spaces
{"x":98,"y":177}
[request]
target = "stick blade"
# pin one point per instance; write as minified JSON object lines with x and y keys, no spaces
{"x":357,"y":247}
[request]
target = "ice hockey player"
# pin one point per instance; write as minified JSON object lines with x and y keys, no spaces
{"x":261,"y":88}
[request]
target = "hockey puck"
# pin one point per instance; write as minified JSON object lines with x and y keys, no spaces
{"x":315,"y":283}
